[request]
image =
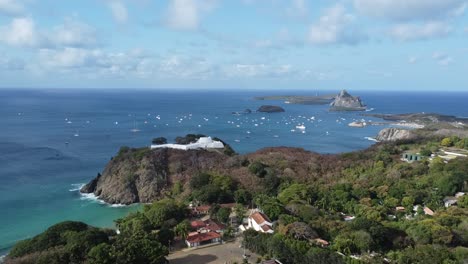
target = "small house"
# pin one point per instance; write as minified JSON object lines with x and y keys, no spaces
{"x":321,"y":242}
{"x":260,"y":222}
{"x":410,"y":157}
{"x":202,"y":238}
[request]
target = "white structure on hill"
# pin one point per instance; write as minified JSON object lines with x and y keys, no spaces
{"x":260,"y":222}
{"x":202,"y":143}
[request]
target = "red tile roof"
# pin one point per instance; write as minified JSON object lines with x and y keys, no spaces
{"x":203,"y":208}
{"x":260,"y":218}
{"x":202,"y":237}
{"x":266,"y":228}
{"x":213,"y":225}
{"x":197,"y":224}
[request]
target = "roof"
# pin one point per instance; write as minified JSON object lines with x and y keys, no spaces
{"x":260,"y":218}
{"x":321,"y":242}
{"x":400,"y":208}
{"x":213,"y":225}
{"x":228,"y":205}
{"x":203,"y":208}
{"x":266,"y":228}
{"x":197,"y":224}
{"x":428,"y":211}
{"x":202,"y":237}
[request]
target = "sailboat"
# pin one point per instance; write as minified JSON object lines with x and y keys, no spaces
{"x":76,"y":134}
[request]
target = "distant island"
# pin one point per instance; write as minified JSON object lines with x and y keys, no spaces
{"x":346,"y":102}
{"x":338,"y":102}
{"x":270,"y":109}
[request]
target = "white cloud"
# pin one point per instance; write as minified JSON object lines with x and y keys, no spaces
{"x":20,"y":32}
{"x":73,"y":33}
{"x":119,"y":11}
{"x":410,"y":9}
{"x":186,"y":14}
{"x":430,"y":30}
{"x":11,"y":7}
{"x":442,"y":58}
{"x":335,"y":26}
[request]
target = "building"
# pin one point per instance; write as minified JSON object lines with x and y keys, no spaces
{"x":207,"y":225}
{"x":449,"y":201}
{"x":202,"y":143}
{"x":260,"y":222}
{"x":321,"y":242}
{"x":196,"y":239}
{"x":409,"y":157}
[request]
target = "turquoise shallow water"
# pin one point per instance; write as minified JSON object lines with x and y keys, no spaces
{"x":51,"y":141}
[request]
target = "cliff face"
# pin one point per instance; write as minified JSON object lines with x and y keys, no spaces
{"x":394,"y":134}
{"x":143,"y":175}
{"x":345,"y":102}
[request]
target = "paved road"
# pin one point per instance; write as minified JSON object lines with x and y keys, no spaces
{"x":226,"y":253}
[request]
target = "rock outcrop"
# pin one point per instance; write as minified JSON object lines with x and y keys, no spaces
{"x":394,"y":134}
{"x":345,"y":102}
{"x":144,"y":175}
{"x":270,"y":109}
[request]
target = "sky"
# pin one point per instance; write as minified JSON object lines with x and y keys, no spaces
{"x":235,"y":44}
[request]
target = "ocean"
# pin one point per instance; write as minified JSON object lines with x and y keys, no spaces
{"x":53,"y":141}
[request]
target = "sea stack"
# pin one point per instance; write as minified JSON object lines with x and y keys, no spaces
{"x":346,"y":102}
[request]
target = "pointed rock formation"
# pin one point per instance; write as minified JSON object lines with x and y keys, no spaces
{"x":345,"y":102}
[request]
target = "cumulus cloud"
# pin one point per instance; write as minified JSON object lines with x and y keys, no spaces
{"x":20,"y":32}
{"x":119,"y":11}
{"x":186,"y":14}
{"x":430,"y":30}
{"x":335,"y":26}
{"x":442,"y":58}
{"x":410,"y":9}
{"x":11,"y":7}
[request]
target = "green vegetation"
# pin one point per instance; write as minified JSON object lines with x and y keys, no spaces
{"x":309,"y":211}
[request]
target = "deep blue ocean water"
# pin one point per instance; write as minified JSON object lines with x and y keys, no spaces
{"x":52,"y":141}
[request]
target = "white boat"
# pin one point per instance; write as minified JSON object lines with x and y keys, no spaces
{"x":301,"y":127}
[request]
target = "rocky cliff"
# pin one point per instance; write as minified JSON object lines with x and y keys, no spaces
{"x":345,"y":102}
{"x":144,"y":175}
{"x":394,"y":134}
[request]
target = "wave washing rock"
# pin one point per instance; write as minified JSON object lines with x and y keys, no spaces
{"x":394,"y":134}
{"x":270,"y":109}
{"x":345,"y":102}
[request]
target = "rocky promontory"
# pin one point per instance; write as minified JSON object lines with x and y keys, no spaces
{"x":345,"y":102}
{"x":394,"y":134}
{"x":270,"y":109}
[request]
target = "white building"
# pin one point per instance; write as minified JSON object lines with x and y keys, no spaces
{"x":202,"y":143}
{"x":260,"y":222}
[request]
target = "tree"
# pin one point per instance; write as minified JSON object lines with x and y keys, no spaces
{"x":223,"y":215}
{"x":141,"y":250}
{"x":182,"y":229}
{"x":463,"y":201}
{"x":240,"y":212}
{"x":295,"y":192}
{"x":446,"y":142}
{"x":101,"y":254}
{"x":242,"y":196}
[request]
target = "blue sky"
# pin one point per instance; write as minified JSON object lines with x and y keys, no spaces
{"x":229,"y":44}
